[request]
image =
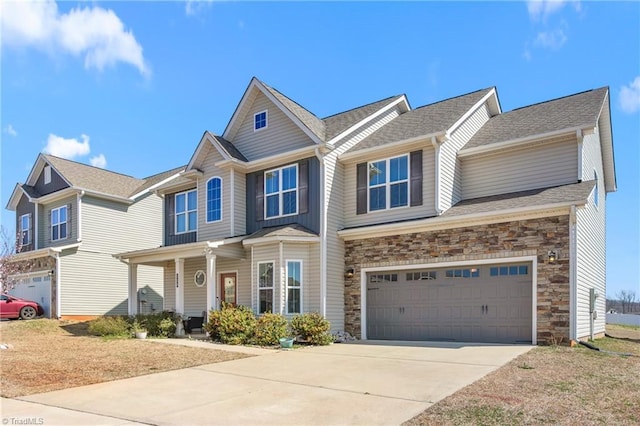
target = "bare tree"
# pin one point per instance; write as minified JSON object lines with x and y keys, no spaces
{"x":8,"y":265}
{"x":627,"y":299}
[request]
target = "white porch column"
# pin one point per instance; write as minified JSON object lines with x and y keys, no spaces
{"x":133,"y":288}
{"x":212,"y":302}
{"x":179,"y":286}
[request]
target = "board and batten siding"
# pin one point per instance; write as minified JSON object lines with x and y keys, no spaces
{"x":450,"y":173}
{"x":72,"y":222}
{"x":93,"y":282}
{"x":210,"y":231}
{"x":334,"y":191}
{"x":281,"y":134}
{"x":400,"y":213}
{"x":540,"y":166}
{"x":591,"y":242}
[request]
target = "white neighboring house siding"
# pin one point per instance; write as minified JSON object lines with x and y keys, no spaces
{"x":591,"y":242}
{"x":538,"y":166}
{"x":94,"y":282}
{"x":399,"y":213}
{"x":450,"y":173}
{"x":220,"y":229}
{"x":281,"y":134}
{"x":334,"y":197}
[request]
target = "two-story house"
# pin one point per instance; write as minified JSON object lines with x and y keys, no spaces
{"x":71,"y":218}
{"x":452,"y":221}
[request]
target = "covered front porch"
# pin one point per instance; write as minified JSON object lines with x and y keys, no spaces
{"x":197,"y":276}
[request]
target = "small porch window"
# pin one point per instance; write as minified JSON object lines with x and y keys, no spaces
{"x":265,"y":287}
{"x":294,"y":286}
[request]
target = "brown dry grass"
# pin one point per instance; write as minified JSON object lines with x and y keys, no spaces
{"x":50,"y":355}
{"x":552,"y":385}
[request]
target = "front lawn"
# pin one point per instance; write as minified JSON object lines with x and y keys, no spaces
{"x":552,"y":385}
{"x":47,"y":355}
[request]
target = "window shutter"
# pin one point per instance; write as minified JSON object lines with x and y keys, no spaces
{"x":259,"y":196}
{"x":361,"y":191}
{"x":416,"y":178}
{"x":170,"y":214}
{"x":69,"y":224}
{"x":31,"y":234}
{"x":303,"y":186}
{"x":48,"y":237}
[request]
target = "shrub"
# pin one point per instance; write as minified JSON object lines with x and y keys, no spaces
{"x":160,"y":324}
{"x":110,"y":326}
{"x":270,"y":328}
{"x":233,"y":325}
{"x":313,"y":328}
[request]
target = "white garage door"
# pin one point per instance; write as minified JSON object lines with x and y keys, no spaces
{"x":488,"y":303}
{"x":37,"y":289}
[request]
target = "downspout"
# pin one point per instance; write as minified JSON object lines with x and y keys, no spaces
{"x":253,"y":295}
{"x":573,"y":282}
{"x":56,"y":256}
{"x":323,"y":237}
{"x":580,"y":137}
{"x":436,"y":147}
{"x":281,"y":277}
{"x":232,"y":186}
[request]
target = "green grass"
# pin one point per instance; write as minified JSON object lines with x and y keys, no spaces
{"x":630,"y":327}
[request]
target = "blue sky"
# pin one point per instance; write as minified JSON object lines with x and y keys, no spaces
{"x":131,"y":86}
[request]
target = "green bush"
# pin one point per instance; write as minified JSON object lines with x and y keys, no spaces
{"x":160,"y":324}
{"x":234,"y":325}
{"x":270,"y":328}
{"x":312,"y":328}
{"x":110,"y":327}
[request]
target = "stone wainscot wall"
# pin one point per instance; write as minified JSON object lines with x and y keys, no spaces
{"x":533,"y":237}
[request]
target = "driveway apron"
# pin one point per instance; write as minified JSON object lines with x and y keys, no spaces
{"x":364,"y":383}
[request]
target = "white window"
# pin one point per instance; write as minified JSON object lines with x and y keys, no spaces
{"x":265,"y":287}
{"x":186,"y":210}
{"x":25,"y":226}
{"x":47,"y":174}
{"x":294,"y":286}
{"x":260,"y":120}
{"x":214,"y":199}
{"x":59,"y":223}
{"x":389,"y":183}
{"x":281,"y":191}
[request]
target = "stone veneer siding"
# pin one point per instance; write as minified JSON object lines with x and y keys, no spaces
{"x":533,"y":237}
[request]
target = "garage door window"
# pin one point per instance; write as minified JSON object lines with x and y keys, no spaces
{"x":380,"y":278}
{"x":463,"y":273}
{"x":425,"y":275}
{"x":508,"y":270}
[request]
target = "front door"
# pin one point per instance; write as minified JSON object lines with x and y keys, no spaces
{"x":228,"y":286}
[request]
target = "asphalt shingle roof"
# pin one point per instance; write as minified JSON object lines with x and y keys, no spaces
{"x":337,"y":123}
{"x":294,"y":230}
{"x":425,"y":120}
{"x":230,"y":148}
{"x":312,"y":122}
{"x":563,"y":113}
{"x":535,"y":197}
{"x":104,"y":181}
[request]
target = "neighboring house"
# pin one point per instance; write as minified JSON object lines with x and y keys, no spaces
{"x":452,"y":221}
{"x":71,"y":218}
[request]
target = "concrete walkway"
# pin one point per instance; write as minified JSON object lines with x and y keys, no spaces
{"x":365,"y":383}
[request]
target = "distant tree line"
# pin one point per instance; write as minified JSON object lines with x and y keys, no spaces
{"x":626,"y":302}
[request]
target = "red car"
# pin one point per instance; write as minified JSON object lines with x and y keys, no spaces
{"x":14,"y":307}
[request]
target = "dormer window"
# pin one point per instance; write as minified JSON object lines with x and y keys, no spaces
{"x":186,"y":211}
{"x":47,"y":174}
{"x":260,"y":120}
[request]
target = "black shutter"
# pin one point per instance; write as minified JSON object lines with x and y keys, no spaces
{"x":416,"y":178}
{"x":303,"y":186}
{"x":361,"y":191}
{"x":259,"y":196}
{"x":170,"y":214}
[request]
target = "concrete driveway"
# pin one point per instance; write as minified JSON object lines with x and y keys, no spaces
{"x":364,"y":383}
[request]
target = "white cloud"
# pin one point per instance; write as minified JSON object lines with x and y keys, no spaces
{"x":192,"y":7}
{"x":10,"y":130}
{"x":630,"y":97}
{"x":98,"y":161}
{"x":67,"y":148}
{"x":94,"y":33}
{"x":553,"y":40}
{"x":542,"y":9}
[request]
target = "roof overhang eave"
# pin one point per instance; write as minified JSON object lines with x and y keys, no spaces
{"x":349,"y":155}
{"x":446,"y":222}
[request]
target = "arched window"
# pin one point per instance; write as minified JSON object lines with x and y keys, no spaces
{"x":214,"y":199}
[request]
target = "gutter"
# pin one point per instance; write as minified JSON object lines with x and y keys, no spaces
{"x":323,"y":237}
